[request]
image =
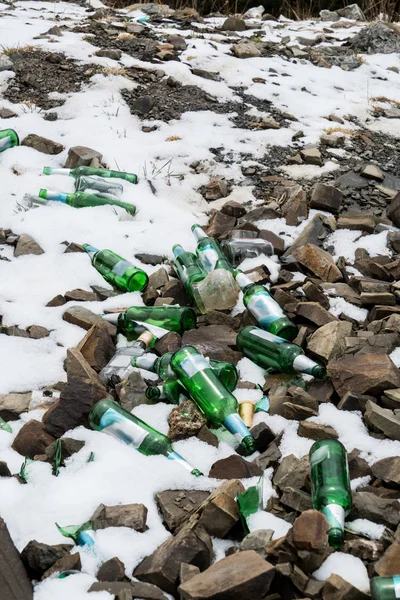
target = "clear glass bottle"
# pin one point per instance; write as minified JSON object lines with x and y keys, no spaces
{"x":237,"y":250}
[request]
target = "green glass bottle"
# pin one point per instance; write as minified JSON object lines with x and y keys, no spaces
{"x":79,"y":533}
{"x":385,"y":588}
{"x":170,"y":390}
{"x":109,"y":417}
{"x":116,"y":270}
{"x":330,"y":486}
{"x":5,"y":426}
{"x":80,"y":171}
{"x":225,"y":371}
{"x":8,"y":139}
{"x":172,"y":318}
{"x":274,"y":353}
{"x":83,"y":200}
{"x":265,"y":309}
{"x":188,"y":268}
{"x":209,"y":394}
{"x":208,"y":251}
{"x":95,"y":184}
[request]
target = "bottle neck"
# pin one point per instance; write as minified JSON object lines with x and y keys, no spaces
{"x":91,"y":250}
{"x":54,"y":171}
{"x":199,"y":234}
{"x":303,"y":364}
{"x":111,"y":318}
{"x":5,"y":143}
{"x":146,"y":362}
{"x":177,"y":457}
{"x":243,"y":280}
{"x":177,"y":250}
{"x":31,"y":199}
{"x":53,"y":195}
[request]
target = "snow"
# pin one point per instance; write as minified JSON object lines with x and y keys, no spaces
{"x":340,"y":305}
{"x":249,"y":371}
{"x":372,"y":531}
{"x":348,"y":567}
{"x":74,"y":586}
{"x":346,"y":241}
{"x":395,"y":356}
{"x":265,"y":520}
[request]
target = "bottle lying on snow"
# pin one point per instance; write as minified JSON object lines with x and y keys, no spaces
{"x":98,"y":186}
{"x":330,"y":486}
{"x":80,"y":200}
{"x":172,"y":318}
{"x":210,"y":395}
{"x":171,"y":390}
{"x":116,"y":270}
{"x":385,"y":588}
{"x":109,"y":417}
{"x":225,"y":371}
{"x":121,"y":360}
{"x":265,"y":309}
{"x":237,"y":250}
{"x":8,"y":139}
{"x":80,"y":171}
{"x":276,"y":354}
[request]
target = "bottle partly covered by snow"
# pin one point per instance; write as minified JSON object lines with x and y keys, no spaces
{"x":84,"y":200}
{"x":91,"y":171}
{"x":8,"y":139}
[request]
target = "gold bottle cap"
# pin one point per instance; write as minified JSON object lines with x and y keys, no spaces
{"x":146,"y":337}
{"x":246,"y":411}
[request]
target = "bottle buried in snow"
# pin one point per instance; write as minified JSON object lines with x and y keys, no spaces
{"x":209,"y":394}
{"x":330,"y":486}
{"x":237,"y":250}
{"x":208,"y":251}
{"x":116,"y":270}
{"x":109,"y":417}
{"x":276,"y":354}
{"x":90,"y":171}
{"x":171,"y":318}
{"x":225,"y":371}
{"x":188,"y":268}
{"x":79,"y":533}
{"x":218,"y":291}
{"x":171,"y":390}
{"x":5,"y":426}
{"x":97,"y":184}
{"x":8,"y":139}
{"x":385,"y":227}
{"x":265,"y":309}
{"x":121,"y":360}
{"x":385,"y":588}
{"x":83,"y":200}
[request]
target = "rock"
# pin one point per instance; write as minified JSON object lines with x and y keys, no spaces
{"x":177,"y":505}
{"x":314,"y":312}
{"x":292,"y":472}
{"x":219,"y":512}
{"x":4,"y":470}
{"x":314,"y":293}
{"x":283,"y":406}
{"x":174,"y":289}
{"x":393,"y":211}
{"x":58,"y":300}
{"x":13,"y":405}
{"x":388,"y":564}
{"x":72,"y":409}
{"x":36,"y":332}
{"x":353,"y":401}
{"x":373,"y":172}
{"x":233,"y":209}
{"x":111,"y":570}
{"x":150,"y":295}
{"x":133,"y":516}
{"x":207,"y":436}
{"x":318,"y":262}
{"x":312,"y":156}
{"x":79,"y":370}
{"x":233,"y":24}
{"x":315,"y":431}
{"x":79,"y":295}
{"x":184,"y":421}
{"x":245,"y":50}
{"x":315,"y":232}
{"x":14,"y":582}
{"x":171,"y":342}
{"x":326,"y":197}
{"x":97,"y":347}
{"x":379,"y":510}
{"x":358,"y":467}
{"x":384,"y":420}
{"x":6,"y":63}
{"x":387,"y":469}
{"x":277,"y":242}
{"x":109,"y":53}
{"x":328,"y":342}
{"x":162,"y":567}
{"x":66,"y":563}
{"x":27,"y":245}
{"x":6,"y":113}
{"x":242,"y":575}
{"x":78,"y":315}
{"x":262,"y":436}
{"x":220,"y":225}
{"x":177,"y":41}
{"x":353,"y":12}
{"x":134,"y":589}
{"x":296,"y":499}
{"x":186,"y":572}
{"x":206,"y":74}
{"x":150,"y":259}
{"x":143,"y":104}
{"x":293,"y":203}
{"x":42,"y":144}
{"x":337,"y":588}
{"x":215,"y":189}
{"x":234,"y":467}
{"x":271,"y":456}
{"x":257,"y":540}
{"x":215,"y":342}
{"x":69,"y":446}
{"x":81,"y":156}
{"x":131,"y":391}
{"x":371,"y":344}
{"x":159,"y":278}
{"x":366,"y":374}
{"x":366,"y":550}
{"x":38,"y":557}
{"x":308,"y":539}
{"x":32,"y":439}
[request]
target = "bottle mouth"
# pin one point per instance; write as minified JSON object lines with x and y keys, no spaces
{"x":153,"y":393}
{"x":319,"y":372}
{"x":195,"y":226}
{"x":248,"y":444}
{"x":188,"y":319}
{"x":197,"y":473}
{"x":336,"y":538}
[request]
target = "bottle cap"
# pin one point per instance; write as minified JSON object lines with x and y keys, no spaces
{"x":246,"y":411}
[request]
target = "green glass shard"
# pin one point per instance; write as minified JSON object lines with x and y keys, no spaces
{"x":57,"y":460}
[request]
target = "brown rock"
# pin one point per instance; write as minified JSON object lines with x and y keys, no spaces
{"x":174,"y":289}
{"x":242,"y":575}
{"x":383,"y":419}
{"x":366,"y":374}
{"x":58,"y":300}
{"x":207,"y":436}
{"x":13,"y":405}
{"x":171,"y":342}
{"x":97,"y":347}
{"x":314,"y":233}
{"x":296,"y":499}
{"x":124,"y":590}
{"x":215,"y":189}
{"x":379,"y":510}
{"x":314,"y":312}
{"x":388,"y":564}
{"x":336,"y":588}
{"x":214,"y":341}
{"x":318,"y":262}
{"x":310,"y":531}
{"x":357,"y":223}
{"x":159,"y":278}
{"x":315,"y":293}
{"x":387,"y":469}
{"x":233,"y":209}
{"x":292,"y":472}
{"x":315,"y":431}
{"x":326,"y":197}
{"x":78,"y":369}
{"x":293,"y":204}
{"x":32,"y":439}
{"x":27,"y":245}
{"x":131,"y":391}
{"x":14,"y":582}
{"x":185,"y":420}
{"x":38,"y":557}
{"x":66,"y":563}
{"x":277,"y":242}
{"x":78,"y":315}
{"x":234,"y":467}
{"x":41,"y":144}
{"x":354,"y":401}
{"x":133,"y":516}
{"x":220,"y":225}
{"x":80,"y":295}
{"x":328,"y":342}
{"x":177,"y":505}
{"x":80,"y":155}
{"x":367,"y":550}
{"x":111,"y":570}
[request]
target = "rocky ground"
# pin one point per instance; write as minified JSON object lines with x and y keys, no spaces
{"x":288,"y":130}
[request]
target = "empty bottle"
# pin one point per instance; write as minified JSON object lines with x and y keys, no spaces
{"x":218,"y":291}
{"x":209,"y":394}
{"x":96,"y":184}
{"x":237,"y":250}
{"x":330,"y":486}
{"x":188,"y":268}
{"x":385,"y":227}
{"x":8,"y":139}
{"x":116,"y":270}
{"x":82,"y":200}
{"x":172,"y":318}
{"x":385,"y":588}
{"x":90,"y":171}
{"x":209,"y":251}
{"x":79,"y":533}
{"x":170,"y":390}
{"x":265,"y":309}
{"x":109,"y":417}
{"x":225,"y":371}
{"x":121,"y":360}
{"x":276,"y":354}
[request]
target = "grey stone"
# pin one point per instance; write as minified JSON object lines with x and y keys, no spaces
{"x":36,"y":332}
{"x":133,"y":516}
{"x":42,"y":144}
{"x":329,"y":15}
{"x":387,"y":469}
{"x":257,"y":540}
{"x":177,"y":505}
{"x":384,"y":420}
{"x":81,"y":156}
{"x":296,"y":499}
{"x":312,"y":156}
{"x":326,"y":197}
{"x":144,"y":104}
{"x":379,"y":510}
{"x":292,"y":472}
{"x":131,"y":391}
{"x":109,"y":53}
{"x":245,"y":50}
{"x":136,"y":589}
{"x":111,"y":570}
{"x":158,"y":278}
{"x":315,"y":313}
{"x":6,"y":63}
{"x":70,"y":562}
{"x":366,"y":374}
{"x":178,"y":42}
{"x":27,"y":245}
{"x":378,"y":37}
{"x":353,"y":12}
{"x":38,"y":557}
{"x":233,"y":24}
{"x":328,"y":342}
